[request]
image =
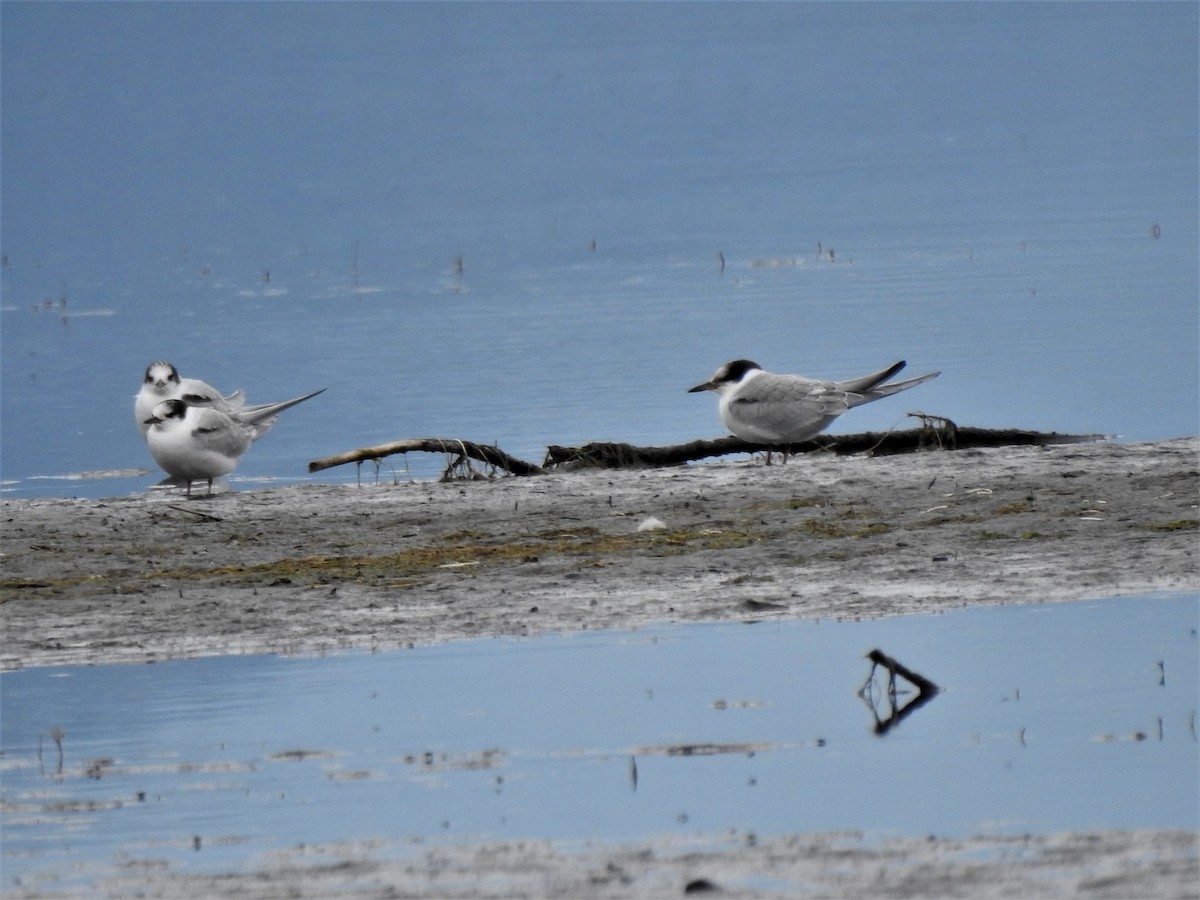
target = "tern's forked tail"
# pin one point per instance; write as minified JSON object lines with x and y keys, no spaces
{"x":258,"y":414}
{"x":886,"y":390}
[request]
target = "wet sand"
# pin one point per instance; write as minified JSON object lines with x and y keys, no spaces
{"x":315,"y":568}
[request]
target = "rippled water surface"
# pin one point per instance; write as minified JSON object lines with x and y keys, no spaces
{"x":1049,"y":717}
{"x":536,"y":224}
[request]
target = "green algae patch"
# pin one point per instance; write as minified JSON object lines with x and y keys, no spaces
{"x":827,"y":529}
{"x":1005,"y":536}
{"x":1010,"y":509}
{"x":466,"y":550}
{"x":12,"y":588}
{"x":791,"y":503}
{"x":1177,"y":525}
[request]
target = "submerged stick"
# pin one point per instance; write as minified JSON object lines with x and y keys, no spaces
{"x":467,"y":449}
{"x":926,"y":691}
{"x":895,"y":667}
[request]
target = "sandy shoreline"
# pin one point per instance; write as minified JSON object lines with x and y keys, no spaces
{"x":314,"y":568}
{"x":310,"y":569}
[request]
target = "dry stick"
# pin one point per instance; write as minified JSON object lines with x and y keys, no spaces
{"x":491,"y":455}
{"x":191,"y":512}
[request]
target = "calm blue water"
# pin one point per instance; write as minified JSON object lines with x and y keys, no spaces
{"x":1063,"y":716}
{"x":274,"y":196}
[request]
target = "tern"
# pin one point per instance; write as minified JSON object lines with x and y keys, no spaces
{"x":163,"y":382}
{"x":765,"y":408}
{"x":200,"y":443}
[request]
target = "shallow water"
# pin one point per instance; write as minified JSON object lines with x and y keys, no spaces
{"x":1066,"y":716}
{"x":1003,"y":192}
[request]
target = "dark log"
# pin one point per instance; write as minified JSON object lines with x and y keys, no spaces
{"x":606,"y":455}
{"x":937,"y":433}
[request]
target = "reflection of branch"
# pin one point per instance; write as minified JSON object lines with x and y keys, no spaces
{"x":926,"y":691}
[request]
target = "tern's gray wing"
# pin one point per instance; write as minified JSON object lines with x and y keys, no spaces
{"x":216,"y":432}
{"x":787,"y":407}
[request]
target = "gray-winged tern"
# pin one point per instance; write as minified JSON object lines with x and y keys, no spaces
{"x":200,"y":443}
{"x":764,"y":408}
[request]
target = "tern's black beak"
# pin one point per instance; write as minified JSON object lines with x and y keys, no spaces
{"x":153,"y":420}
{"x":707,"y":386}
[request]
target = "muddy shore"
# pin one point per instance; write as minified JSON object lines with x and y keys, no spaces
{"x":316,"y":568}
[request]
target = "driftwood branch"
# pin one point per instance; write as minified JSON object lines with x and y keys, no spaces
{"x":464,"y":450}
{"x":936,"y":432}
